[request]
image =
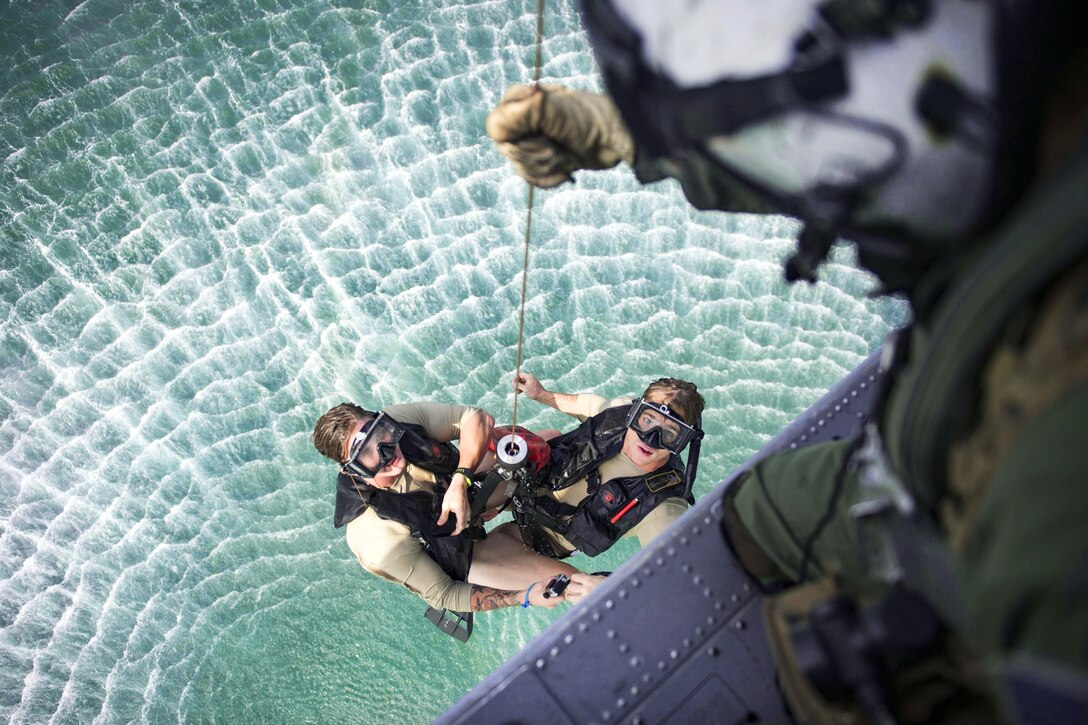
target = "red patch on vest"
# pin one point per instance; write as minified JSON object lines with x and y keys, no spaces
{"x":608,"y":497}
{"x":434,"y":450}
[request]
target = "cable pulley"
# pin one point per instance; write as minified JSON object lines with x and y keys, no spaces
{"x":512,"y":451}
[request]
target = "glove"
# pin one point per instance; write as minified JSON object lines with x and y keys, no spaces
{"x":549,"y":131}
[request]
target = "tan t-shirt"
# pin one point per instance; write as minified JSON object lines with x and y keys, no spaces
{"x":387,"y":548}
{"x":586,"y":405}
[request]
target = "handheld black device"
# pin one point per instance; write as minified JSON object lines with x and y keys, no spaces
{"x":556,"y":586}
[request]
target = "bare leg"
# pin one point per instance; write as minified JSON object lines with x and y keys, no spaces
{"x":503,"y":562}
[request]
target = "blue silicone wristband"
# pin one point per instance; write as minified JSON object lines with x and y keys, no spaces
{"x":525,"y":604}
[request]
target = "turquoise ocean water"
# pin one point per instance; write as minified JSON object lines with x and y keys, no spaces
{"x":219,"y":218}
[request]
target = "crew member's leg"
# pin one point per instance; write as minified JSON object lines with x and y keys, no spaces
{"x":503,"y":562}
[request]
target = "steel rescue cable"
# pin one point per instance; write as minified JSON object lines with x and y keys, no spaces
{"x":528,"y":221}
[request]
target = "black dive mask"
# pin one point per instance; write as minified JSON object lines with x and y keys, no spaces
{"x":374,"y":446}
{"x":659,"y":427}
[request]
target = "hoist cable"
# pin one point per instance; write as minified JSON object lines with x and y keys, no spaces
{"x":528,"y":219}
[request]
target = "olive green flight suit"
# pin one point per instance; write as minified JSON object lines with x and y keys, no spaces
{"x":1008,"y":482}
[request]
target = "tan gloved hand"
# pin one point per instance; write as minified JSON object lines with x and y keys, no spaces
{"x":549,"y":131}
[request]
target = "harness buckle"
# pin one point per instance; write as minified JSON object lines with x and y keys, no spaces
{"x":884,"y":499}
{"x":898,"y":541}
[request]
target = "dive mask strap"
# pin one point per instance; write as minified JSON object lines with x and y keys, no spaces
{"x":692,"y":467}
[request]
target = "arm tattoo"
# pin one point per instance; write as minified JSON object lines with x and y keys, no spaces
{"x":485,"y":598}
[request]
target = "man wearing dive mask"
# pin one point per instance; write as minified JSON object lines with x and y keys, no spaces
{"x":402,"y":499}
{"x":616,"y":475}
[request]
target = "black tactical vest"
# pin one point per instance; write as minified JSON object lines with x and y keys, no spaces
{"x":417,"y":510}
{"x":607,"y":513}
